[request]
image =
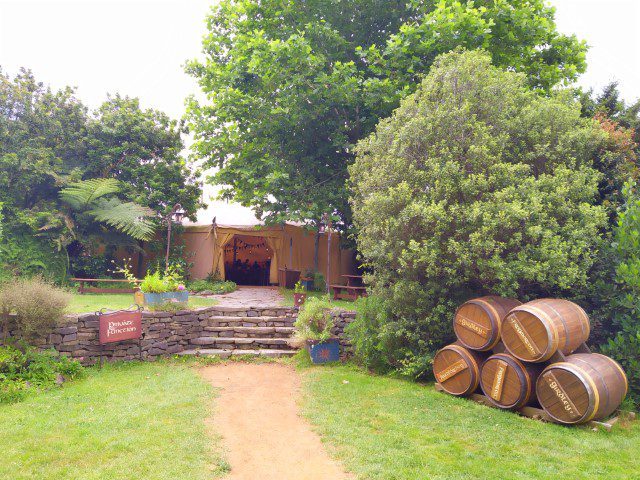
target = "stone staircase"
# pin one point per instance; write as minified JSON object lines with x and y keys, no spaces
{"x":245,"y":331}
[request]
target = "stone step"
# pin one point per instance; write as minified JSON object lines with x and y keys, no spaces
{"x":231,"y":321}
{"x":226,"y":353}
{"x":241,"y":343}
{"x":257,"y":332}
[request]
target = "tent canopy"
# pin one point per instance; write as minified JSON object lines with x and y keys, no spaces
{"x":292,"y":247}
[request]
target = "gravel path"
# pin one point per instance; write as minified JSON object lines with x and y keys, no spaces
{"x":263,"y":433}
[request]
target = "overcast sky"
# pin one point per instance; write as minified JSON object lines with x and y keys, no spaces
{"x":138,"y":47}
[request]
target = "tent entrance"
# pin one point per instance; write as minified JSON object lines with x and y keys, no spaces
{"x":247,"y":260}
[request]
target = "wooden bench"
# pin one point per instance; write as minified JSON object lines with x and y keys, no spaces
{"x":352,"y":293}
{"x":83,"y":289}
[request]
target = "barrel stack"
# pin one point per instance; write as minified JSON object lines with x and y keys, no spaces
{"x":531,"y":354}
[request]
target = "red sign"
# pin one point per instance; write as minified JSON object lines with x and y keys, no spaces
{"x":118,"y":326}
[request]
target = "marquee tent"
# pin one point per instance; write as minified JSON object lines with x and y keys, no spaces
{"x":210,"y":245}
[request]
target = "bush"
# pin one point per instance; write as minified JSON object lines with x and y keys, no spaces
{"x":217,"y":287}
{"x":37,"y":305}
{"x":475,"y":185}
{"x":372,"y":335}
{"x":169,"y":281}
{"x":23,"y":370}
{"x":314,"y":321}
{"x":622,"y":296}
{"x":319,"y":284}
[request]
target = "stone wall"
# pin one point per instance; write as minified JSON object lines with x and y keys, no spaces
{"x":164,"y":333}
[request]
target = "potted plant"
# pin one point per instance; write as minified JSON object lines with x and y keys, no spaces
{"x":307,"y":280}
{"x":313,"y":331}
{"x":157,"y":288}
{"x":163,"y":288}
{"x":299,"y":294}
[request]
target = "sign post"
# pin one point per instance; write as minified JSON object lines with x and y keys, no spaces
{"x":118,"y":326}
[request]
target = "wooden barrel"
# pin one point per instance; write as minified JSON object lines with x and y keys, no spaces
{"x":587,"y":386}
{"x":507,"y":382}
{"x":477,"y":322}
{"x":457,"y":369}
{"x":534,"y":331}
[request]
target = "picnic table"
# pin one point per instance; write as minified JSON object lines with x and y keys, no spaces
{"x":352,"y":290}
{"x":83,"y":289}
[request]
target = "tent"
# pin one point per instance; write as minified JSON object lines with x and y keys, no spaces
{"x":210,"y":240}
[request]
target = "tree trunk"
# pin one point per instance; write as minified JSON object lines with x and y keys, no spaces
{"x":316,"y":248}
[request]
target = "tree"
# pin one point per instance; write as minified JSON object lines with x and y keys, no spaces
{"x":49,"y":141}
{"x":142,"y":149}
{"x":475,"y":185}
{"x":292,"y":86}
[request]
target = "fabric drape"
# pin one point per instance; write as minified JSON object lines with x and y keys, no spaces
{"x":275,"y":244}
{"x":220,"y":241}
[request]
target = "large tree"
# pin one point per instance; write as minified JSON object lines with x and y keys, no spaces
{"x":291,"y":86}
{"x":475,"y":185}
{"x":49,"y":140}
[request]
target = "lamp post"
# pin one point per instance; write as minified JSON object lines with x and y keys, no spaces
{"x":176,"y":213}
{"x":327,"y":221}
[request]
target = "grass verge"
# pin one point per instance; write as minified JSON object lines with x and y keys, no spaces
{"x":126,"y":421}
{"x":385,"y":428}
{"x":92,"y":302}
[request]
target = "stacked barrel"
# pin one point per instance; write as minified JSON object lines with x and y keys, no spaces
{"x":524,"y":354}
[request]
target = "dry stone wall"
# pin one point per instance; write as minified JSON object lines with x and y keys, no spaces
{"x":165,"y":333}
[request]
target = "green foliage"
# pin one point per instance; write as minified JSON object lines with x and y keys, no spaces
{"x":22,"y":254}
{"x":623,"y":306}
{"x":37,"y":305}
{"x":95,"y":198}
{"x":157,"y":282}
{"x":299,"y":287}
{"x":23,"y":370}
{"x":217,"y":287}
{"x":373,"y":336}
{"x":475,"y":185}
{"x":314,"y":321}
{"x":292,"y":86}
{"x":319,"y":283}
{"x":50,"y":142}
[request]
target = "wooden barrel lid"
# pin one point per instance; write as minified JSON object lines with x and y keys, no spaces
{"x":527,"y":336}
{"x":566,"y":393}
{"x":456,"y":370}
{"x":505,"y":381}
{"x":477,"y":324}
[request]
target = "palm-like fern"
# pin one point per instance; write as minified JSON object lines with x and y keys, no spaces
{"x":95,"y":198}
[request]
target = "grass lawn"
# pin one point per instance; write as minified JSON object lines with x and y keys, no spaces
{"x":383,"y":428}
{"x":344,"y":304}
{"x":126,"y":421}
{"x":92,"y":302}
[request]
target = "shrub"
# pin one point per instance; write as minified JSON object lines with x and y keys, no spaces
{"x":314,"y":321}
{"x":623,"y":295}
{"x":23,"y":370}
{"x":372,"y":335}
{"x":37,"y":305}
{"x":319,"y":284}
{"x":217,"y":287}
{"x":158,"y":282}
{"x":475,"y":185}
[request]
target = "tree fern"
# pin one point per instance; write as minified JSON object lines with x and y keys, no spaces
{"x":90,"y":197}
{"x":82,"y":194}
{"x":128,"y":217}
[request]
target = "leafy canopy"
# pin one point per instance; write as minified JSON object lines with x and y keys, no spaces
{"x":475,"y":185}
{"x":291,"y":86}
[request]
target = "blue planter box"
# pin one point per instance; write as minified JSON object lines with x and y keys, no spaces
{"x":308,"y":284}
{"x":160,"y":298}
{"x":324,"y":352}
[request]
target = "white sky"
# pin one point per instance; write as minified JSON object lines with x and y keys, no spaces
{"x":138,"y":47}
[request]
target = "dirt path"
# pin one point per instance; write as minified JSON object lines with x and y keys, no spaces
{"x":263,"y":433}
